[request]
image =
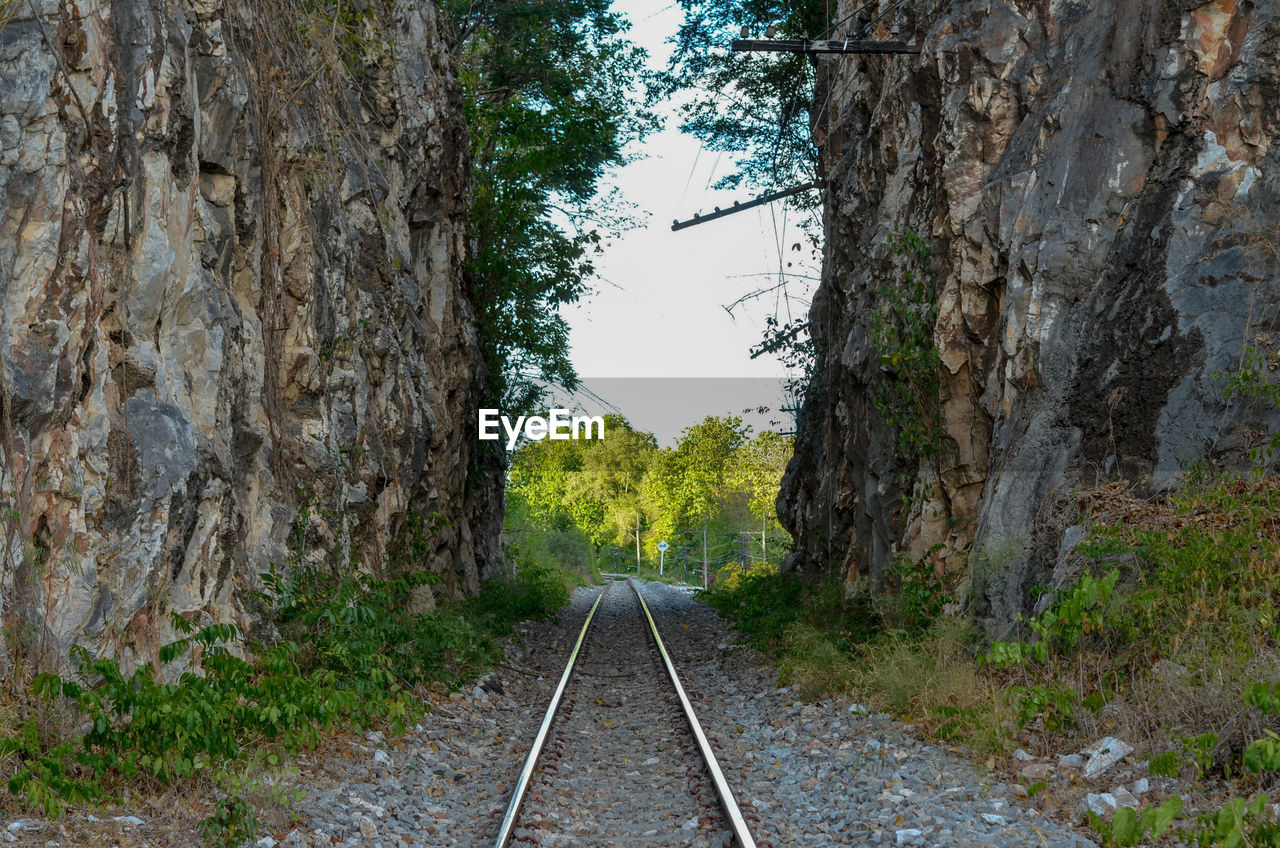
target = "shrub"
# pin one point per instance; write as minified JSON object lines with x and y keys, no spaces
{"x":536,"y":593}
{"x":1127,"y":827}
{"x":351,"y":649}
{"x":764,"y":604}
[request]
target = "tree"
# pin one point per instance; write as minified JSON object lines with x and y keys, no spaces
{"x":591,"y":485}
{"x":550,"y":99}
{"x":756,"y":471}
{"x":756,"y":106}
{"x":614,"y":491}
{"x":539,"y":475}
{"x":757,"y":468}
{"x":685,"y":486}
{"x":760,"y":109}
{"x":613,"y":470}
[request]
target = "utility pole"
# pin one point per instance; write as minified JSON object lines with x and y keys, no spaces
{"x":704,"y":554}
{"x":742,"y":207}
{"x":637,"y":544}
{"x":819,"y":45}
{"x":794,"y":45}
{"x":763,"y":550}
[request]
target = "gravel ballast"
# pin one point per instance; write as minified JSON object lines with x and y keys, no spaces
{"x":819,"y":774}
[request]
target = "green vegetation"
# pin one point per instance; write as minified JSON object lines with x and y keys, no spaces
{"x":827,"y":641}
{"x":593,"y":487}
{"x":1238,"y":822}
{"x":1076,"y":612}
{"x":1127,"y":827}
{"x":233,"y":822}
{"x":1244,"y":820}
{"x":1168,"y":638}
{"x":902,"y":325}
{"x":1254,"y":387}
{"x":813,"y":628}
{"x":551,"y":100}
{"x":611,"y":501}
{"x":349,"y":649}
{"x":755,"y":107}
{"x":533,"y":547}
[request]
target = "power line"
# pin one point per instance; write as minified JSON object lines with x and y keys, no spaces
{"x":814,"y":46}
{"x":680,"y":202}
{"x":741,"y":207}
{"x":852,"y":14}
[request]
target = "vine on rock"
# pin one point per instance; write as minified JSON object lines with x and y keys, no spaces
{"x":906,"y":394}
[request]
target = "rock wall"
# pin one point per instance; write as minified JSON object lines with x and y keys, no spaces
{"x":230,"y":239}
{"x":1100,"y":191}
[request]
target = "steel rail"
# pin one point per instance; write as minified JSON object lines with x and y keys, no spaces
{"x":736,"y":820}
{"x":522,"y":783}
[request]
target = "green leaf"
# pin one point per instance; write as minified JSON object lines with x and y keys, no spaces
{"x":173,"y":650}
{"x":1124,"y":827}
{"x":1165,"y":815}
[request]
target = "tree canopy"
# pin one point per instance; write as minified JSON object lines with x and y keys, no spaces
{"x":685,"y":485}
{"x":719,"y":477}
{"x":591,"y":485}
{"x":554,"y":91}
{"x":755,"y":106}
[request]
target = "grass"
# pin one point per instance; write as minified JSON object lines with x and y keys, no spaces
{"x":1193,"y":620}
{"x":350,"y":650}
{"x":811,"y":628}
{"x":1168,"y":638}
{"x":1161,"y":652}
{"x":828,"y":644}
{"x":934,"y":679}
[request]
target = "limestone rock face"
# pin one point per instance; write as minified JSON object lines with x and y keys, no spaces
{"x":1100,"y":191}
{"x":230,"y":299}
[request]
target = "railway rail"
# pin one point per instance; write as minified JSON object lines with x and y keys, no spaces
{"x":615,"y":675}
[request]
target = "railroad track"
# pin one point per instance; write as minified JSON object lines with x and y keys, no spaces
{"x":620,"y":758}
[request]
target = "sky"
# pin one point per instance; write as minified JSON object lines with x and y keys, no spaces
{"x":658,"y":312}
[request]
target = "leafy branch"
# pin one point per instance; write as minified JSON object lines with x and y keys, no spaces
{"x":906,"y":393}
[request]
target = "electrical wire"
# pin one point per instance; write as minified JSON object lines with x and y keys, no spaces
{"x":711,"y":176}
{"x":866,"y":30}
{"x":854,"y":13}
{"x":687,"y":182}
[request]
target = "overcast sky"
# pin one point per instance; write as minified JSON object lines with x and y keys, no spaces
{"x":658,"y":311}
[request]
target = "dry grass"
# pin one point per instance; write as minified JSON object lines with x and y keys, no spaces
{"x":1192,"y":624}
{"x":815,"y":664}
{"x":1253,"y":501}
{"x":935,"y":681}
{"x":8,"y":8}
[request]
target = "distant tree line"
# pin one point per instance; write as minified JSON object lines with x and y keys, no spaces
{"x":622,"y":495}
{"x":553,"y":92}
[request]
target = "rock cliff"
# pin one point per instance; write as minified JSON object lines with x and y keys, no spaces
{"x":230,"y":239}
{"x":1100,"y":194}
